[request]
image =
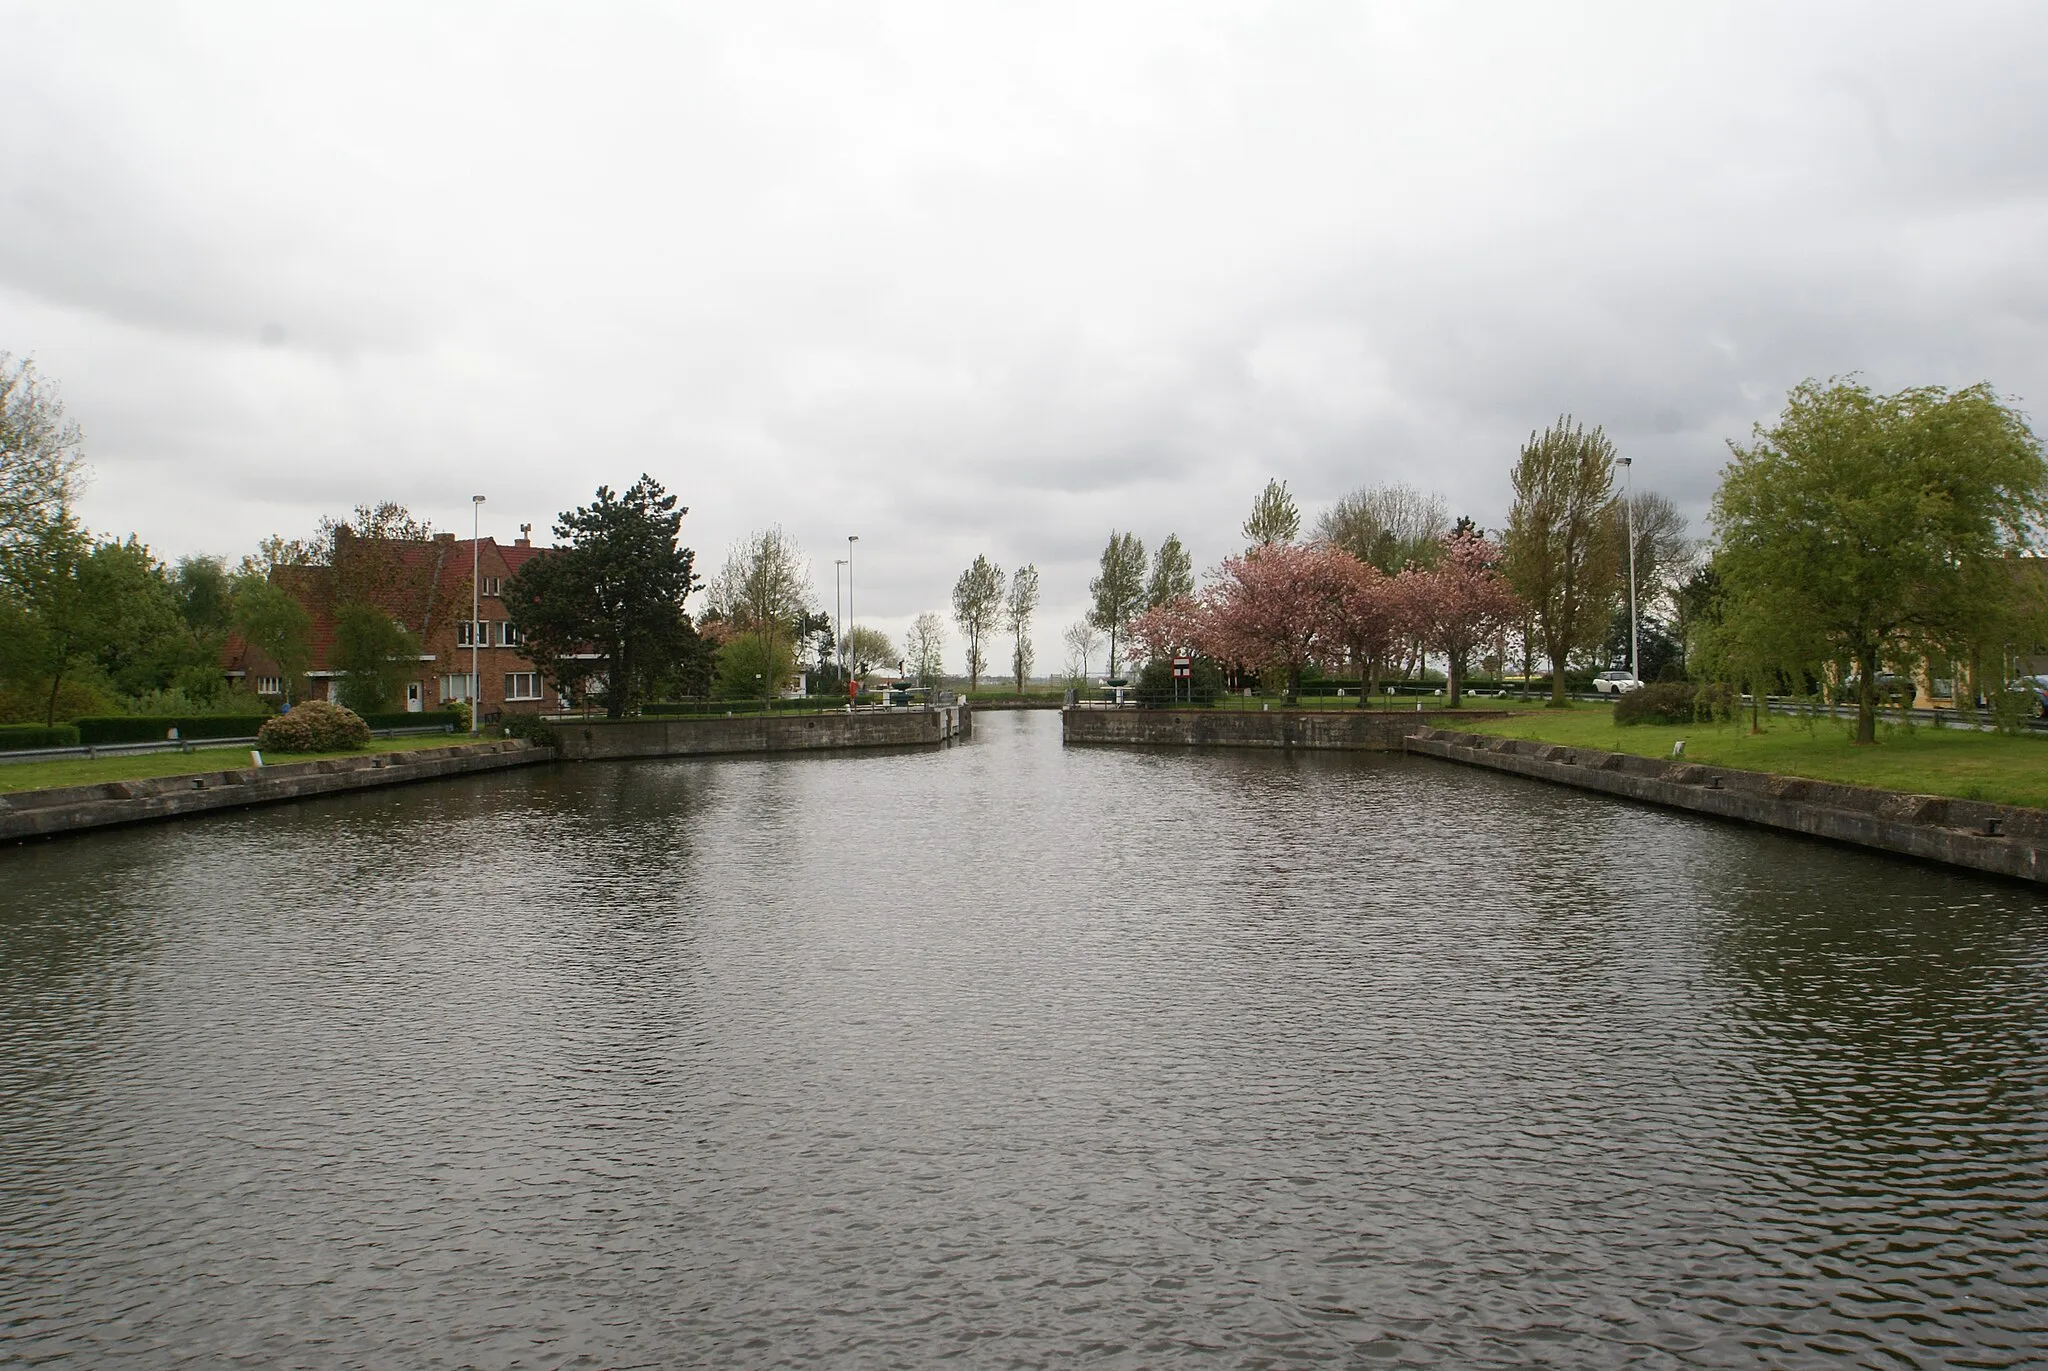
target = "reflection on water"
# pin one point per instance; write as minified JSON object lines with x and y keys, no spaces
{"x":1013,"y":1056}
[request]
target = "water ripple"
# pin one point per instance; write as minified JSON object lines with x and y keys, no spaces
{"x":1010,"y":1056}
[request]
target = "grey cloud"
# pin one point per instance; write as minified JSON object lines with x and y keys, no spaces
{"x":966,"y":279}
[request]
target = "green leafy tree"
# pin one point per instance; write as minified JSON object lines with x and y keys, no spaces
{"x":924,"y":648}
{"x":751,"y":665}
{"x":764,"y":588}
{"x":1878,"y":527}
{"x":1018,"y":608}
{"x":1173,"y":574}
{"x":1389,"y":528}
{"x":271,"y":620}
{"x":205,"y":594}
{"x":77,"y":609}
{"x":1118,"y":590}
{"x":868,"y":648}
{"x":376,"y":656}
{"x":977,"y":605}
{"x":1274,"y":517}
{"x":1561,"y":550}
{"x":606,"y":605}
{"x":40,"y":462}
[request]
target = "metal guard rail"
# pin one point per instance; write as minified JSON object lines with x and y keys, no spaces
{"x":94,"y":750}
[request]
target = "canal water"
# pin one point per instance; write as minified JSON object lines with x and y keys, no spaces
{"x":1013,"y":1056}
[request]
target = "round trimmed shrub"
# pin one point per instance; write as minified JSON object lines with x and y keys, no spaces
{"x":315,"y":726}
{"x":1666,"y":702}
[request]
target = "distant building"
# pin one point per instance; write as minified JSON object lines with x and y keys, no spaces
{"x":424,"y":584}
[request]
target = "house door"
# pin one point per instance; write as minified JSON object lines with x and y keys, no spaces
{"x":412,"y":698}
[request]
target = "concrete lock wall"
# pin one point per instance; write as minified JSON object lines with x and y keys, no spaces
{"x":73,"y":809}
{"x":2002,"y":839}
{"x":702,"y":737}
{"x":1361,"y":730}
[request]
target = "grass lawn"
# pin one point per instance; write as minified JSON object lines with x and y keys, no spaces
{"x":1922,"y":760}
{"x":150,"y":765}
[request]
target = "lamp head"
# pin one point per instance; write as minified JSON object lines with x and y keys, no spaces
{"x":476,"y":499}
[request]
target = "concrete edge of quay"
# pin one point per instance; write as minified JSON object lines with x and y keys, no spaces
{"x":29,"y":814}
{"x":720,"y":735}
{"x":2002,"y":840}
{"x":1344,"y":730}
{"x":1999,"y":840}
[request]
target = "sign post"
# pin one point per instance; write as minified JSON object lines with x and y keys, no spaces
{"x":1183,"y":670}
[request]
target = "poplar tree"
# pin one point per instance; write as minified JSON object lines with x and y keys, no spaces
{"x":1118,"y":592}
{"x":1173,"y":573}
{"x":977,"y":605}
{"x":1274,"y":517}
{"x":1561,"y":552}
{"x":1017,"y":611}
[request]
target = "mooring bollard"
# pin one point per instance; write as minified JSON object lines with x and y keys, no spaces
{"x":1678,"y":748}
{"x":255,"y":758}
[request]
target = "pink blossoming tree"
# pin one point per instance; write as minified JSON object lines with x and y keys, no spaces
{"x":1459,"y":603}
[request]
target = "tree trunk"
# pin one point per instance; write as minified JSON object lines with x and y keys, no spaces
{"x":1454,"y":673}
{"x":1293,"y":684}
{"x":1866,"y":695}
{"x":50,"y":714}
{"x":1557,"y":699}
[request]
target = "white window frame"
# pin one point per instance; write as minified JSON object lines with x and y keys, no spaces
{"x":457,"y":686}
{"x":492,"y":586}
{"x":531,"y":679}
{"x":508,"y":634}
{"x":270,"y":685}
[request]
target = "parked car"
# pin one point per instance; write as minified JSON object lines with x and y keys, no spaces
{"x":2037,"y":686}
{"x":1616,"y":682}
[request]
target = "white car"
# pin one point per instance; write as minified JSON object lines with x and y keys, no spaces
{"x":1616,"y":682}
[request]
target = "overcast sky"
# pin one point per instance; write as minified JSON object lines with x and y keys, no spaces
{"x":998,"y":279}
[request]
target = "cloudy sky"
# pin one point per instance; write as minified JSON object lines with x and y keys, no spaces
{"x":963,"y":278}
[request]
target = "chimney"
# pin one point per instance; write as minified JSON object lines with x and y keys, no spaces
{"x":444,"y":537}
{"x":525,"y":538}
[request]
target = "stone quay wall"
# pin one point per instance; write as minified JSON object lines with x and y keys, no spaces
{"x":75,"y":809}
{"x":2004,"y":840}
{"x":678,"y":736}
{"x":1361,"y":730}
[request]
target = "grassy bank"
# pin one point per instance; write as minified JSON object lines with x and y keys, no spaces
{"x":1922,"y":760}
{"x":148,"y":766}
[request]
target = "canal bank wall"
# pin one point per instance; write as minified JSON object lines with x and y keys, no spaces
{"x":2001,"y":840}
{"x":2004,"y":840}
{"x":1363,"y":730}
{"x":76,"y":809}
{"x":716,"y":736}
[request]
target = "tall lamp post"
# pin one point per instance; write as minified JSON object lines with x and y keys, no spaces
{"x":851,"y":539}
{"x":1635,"y":662}
{"x":476,"y":564}
{"x":838,"y":624}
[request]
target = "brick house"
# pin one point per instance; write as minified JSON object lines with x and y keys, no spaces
{"x":425,"y":586}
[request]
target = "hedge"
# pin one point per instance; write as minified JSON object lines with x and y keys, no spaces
{"x":753,"y":706}
{"x":21,"y":737}
{"x":147,"y":728}
{"x":427,"y":718}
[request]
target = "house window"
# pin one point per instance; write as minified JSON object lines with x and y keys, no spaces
{"x":522,"y":685}
{"x":457,"y":688}
{"x":270,"y":685}
{"x":491,"y":586}
{"x":469,"y":634}
{"x":509,"y":634}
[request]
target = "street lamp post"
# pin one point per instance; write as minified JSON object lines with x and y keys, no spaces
{"x":476,"y":563}
{"x":838,"y":624}
{"x":851,"y":539}
{"x":1635,"y":662}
